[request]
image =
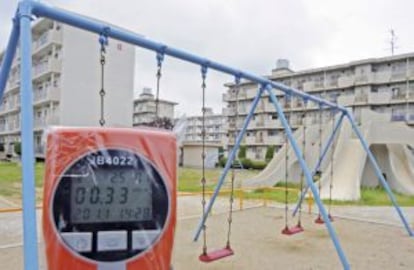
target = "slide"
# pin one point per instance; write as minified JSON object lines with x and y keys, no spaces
{"x":401,"y":163}
{"x":388,"y":141}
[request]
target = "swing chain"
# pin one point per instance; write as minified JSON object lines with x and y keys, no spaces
{"x":302,"y":174}
{"x":160,"y":59}
{"x":287,"y":105}
{"x":203,"y":154}
{"x":332,"y":168}
{"x":103,"y":40}
{"x":233,"y":172}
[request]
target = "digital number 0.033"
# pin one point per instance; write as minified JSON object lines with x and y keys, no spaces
{"x":96,"y":195}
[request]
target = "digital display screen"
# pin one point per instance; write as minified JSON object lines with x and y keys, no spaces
{"x":112,"y":194}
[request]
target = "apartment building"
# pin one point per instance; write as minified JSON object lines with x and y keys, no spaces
{"x":384,"y":85}
{"x":145,"y":108}
{"x":214,"y":125}
{"x":66,"y":83}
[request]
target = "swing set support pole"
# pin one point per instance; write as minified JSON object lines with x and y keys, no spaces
{"x":228,"y":163}
{"x":308,"y":178}
{"x":321,"y":158}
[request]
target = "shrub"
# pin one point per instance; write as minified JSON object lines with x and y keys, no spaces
{"x":258,"y":165}
{"x":222,"y":161}
{"x":269,"y":153}
{"x":221,"y":152}
{"x":242,"y":152}
{"x":247,"y":163}
{"x":18,"y":148}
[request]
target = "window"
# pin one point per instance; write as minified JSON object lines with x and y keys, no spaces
{"x":271,"y":132}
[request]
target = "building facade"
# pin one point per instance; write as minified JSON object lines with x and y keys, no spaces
{"x":145,"y":108}
{"x":215,"y":128}
{"x":384,"y":85}
{"x":66,"y":83}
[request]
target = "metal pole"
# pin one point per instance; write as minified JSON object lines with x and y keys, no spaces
{"x":28,"y":193}
{"x":309,"y":180}
{"x":229,"y":162}
{"x":114,"y":32}
{"x":321,"y":158}
{"x":379,"y":173}
{"x":9,"y":55}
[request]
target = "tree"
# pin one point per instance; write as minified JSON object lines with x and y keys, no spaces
{"x":18,"y":148}
{"x":242,"y":152}
{"x":162,"y":122}
{"x":270,"y":152}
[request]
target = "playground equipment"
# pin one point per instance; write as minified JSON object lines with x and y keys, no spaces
{"x":21,"y":28}
{"x":227,"y":250}
{"x":298,"y":228}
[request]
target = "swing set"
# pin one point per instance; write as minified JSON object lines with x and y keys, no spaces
{"x":22,"y":31}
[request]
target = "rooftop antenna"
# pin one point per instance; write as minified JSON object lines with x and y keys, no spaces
{"x":393,"y":41}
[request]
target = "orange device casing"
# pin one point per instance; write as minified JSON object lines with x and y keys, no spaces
{"x":65,"y":145}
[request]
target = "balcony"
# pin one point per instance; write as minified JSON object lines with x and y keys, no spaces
{"x":278,"y":140}
{"x":363,"y":79}
{"x":332,"y":83}
{"x":226,"y":97}
{"x":398,"y":97}
{"x":51,"y":65}
{"x":398,"y":75}
{"x":379,"y":98}
{"x":397,"y":117}
{"x":272,"y":124}
{"x":40,"y":123}
{"x":346,"y":100}
{"x":361,"y":98}
{"x":382,"y":77}
{"x":312,"y":86}
{"x":345,"y":81}
{"x":45,"y":39}
{"x":296,"y":122}
{"x":47,"y":94}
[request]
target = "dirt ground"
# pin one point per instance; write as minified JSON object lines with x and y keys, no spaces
{"x":258,"y":243}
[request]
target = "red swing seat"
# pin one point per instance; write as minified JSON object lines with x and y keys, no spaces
{"x":216,"y":255}
{"x":294,"y":230}
{"x":319,"y":219}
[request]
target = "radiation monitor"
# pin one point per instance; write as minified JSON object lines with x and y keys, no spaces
{"x":109,"y":198}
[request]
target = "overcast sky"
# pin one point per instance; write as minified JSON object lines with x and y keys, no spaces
{"x":247,"y":34}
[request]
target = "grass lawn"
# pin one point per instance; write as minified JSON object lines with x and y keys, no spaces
{"x":190,"y":181}
{"x":10,"y":180}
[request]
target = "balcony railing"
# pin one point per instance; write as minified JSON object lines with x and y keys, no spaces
{"x":398,"y":117}
{"x":361,"y":98}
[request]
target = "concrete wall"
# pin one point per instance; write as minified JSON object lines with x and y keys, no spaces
{"x":192,"y":155}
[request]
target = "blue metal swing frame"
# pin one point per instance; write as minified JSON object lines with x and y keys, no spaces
{"x":22,"y":31}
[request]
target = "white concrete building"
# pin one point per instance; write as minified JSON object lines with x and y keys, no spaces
{"x":66,"y":83}
{"x":145,"y":108}
{"x":383,"y":85}
{"x":215,"y":128}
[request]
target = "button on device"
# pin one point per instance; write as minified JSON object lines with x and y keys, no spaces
{"x":81,"y":242}
{"x":112,"y":240}
{"x":143,"y":239}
